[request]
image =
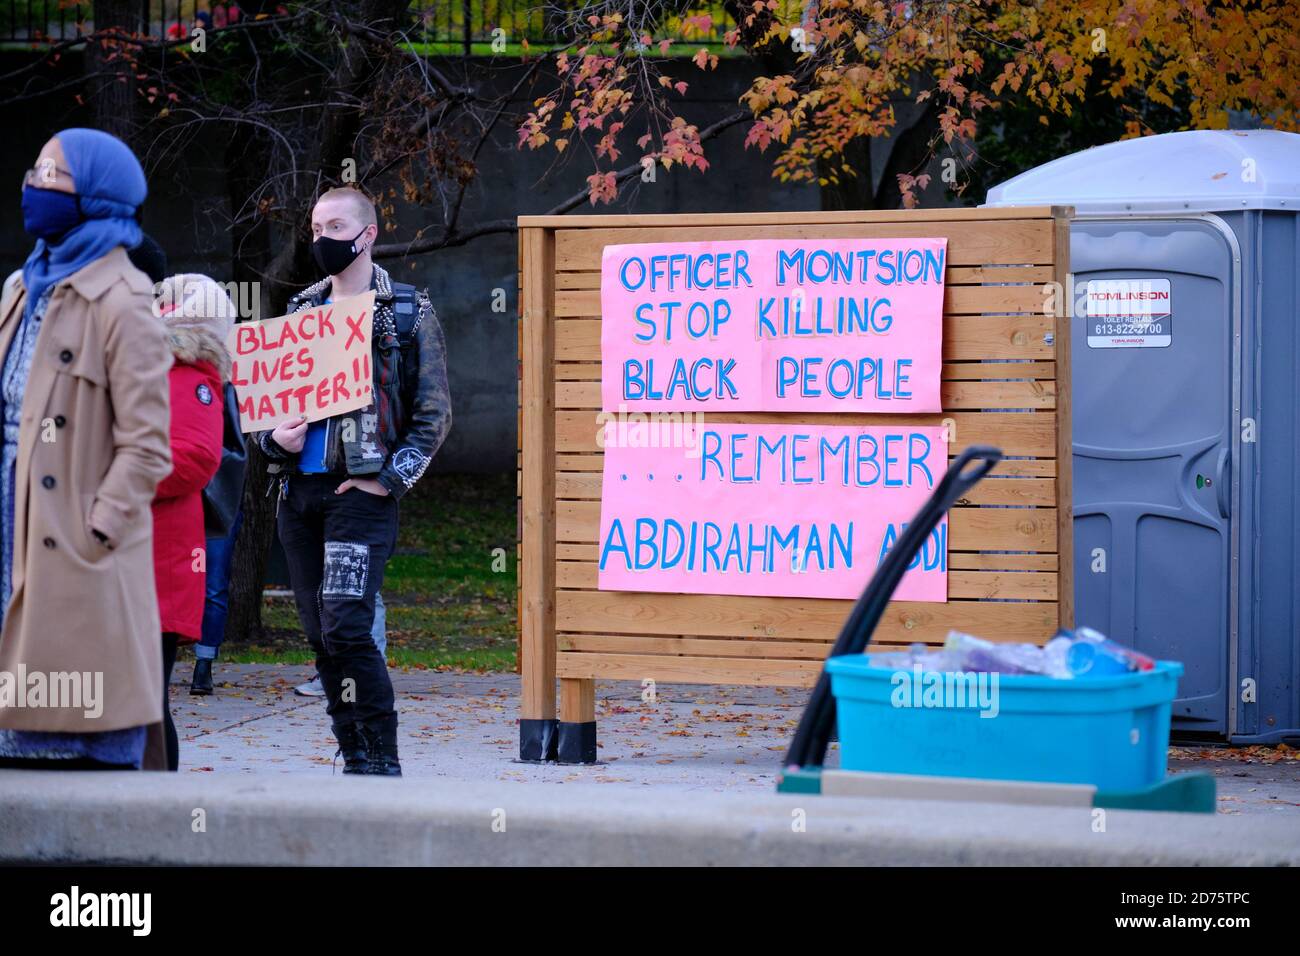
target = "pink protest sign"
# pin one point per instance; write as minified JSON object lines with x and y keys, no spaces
{"x":771,"y":510}
{"x":828,"y":325}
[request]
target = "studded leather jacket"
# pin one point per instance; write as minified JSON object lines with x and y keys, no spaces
{"x":395,"y":437}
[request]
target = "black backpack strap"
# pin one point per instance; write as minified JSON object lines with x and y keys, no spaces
{"x":409,"y":305}
{"x":406,"y":312}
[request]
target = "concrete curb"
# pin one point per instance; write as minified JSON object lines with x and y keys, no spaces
{"x":150,"y":819}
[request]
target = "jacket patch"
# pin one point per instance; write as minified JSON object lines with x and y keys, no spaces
{"x":204,"y":393}
{"x":409,"y":464}
{"x":347,"y":566}
{"x":369,"y":445}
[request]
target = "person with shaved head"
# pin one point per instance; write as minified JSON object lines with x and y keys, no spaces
{"x":341,"y":479}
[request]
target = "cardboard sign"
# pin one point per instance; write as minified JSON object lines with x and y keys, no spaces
{"x":772,"y":510}
{"x":314,"y":363}
{"x":825,"y":325}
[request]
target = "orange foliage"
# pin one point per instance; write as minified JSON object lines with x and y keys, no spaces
{"x":857,"y":59}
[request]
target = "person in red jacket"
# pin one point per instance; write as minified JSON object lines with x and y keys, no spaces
{"x":197,"y":315}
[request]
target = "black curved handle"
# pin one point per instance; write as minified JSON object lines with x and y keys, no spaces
{"x":963,"y":481}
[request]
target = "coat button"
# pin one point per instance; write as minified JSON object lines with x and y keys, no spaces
{"x":59,"y":421}
{"x":48,"y":481}
{"x":65,"y":355}
{"x":49,"y":543}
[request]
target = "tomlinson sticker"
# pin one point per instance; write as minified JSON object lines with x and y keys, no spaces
{"x":1128,"y":313}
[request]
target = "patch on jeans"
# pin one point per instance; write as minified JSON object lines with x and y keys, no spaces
{"x":347,"y":566}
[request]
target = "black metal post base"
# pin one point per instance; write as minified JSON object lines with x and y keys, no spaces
{"x":577,"y":742}
{"x":538,"y":739}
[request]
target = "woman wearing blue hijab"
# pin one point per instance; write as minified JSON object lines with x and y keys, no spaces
{"x":84,"y":406}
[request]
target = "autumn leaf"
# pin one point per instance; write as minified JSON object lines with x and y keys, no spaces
{"x":602,"y":187}
{"x":704,"y":59}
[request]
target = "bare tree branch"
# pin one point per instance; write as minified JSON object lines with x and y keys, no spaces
{"x":446,"y":237}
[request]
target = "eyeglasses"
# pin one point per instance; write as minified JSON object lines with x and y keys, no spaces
{"x":43,"y":175}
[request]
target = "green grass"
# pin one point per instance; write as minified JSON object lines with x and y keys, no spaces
{"x":449,"y":590}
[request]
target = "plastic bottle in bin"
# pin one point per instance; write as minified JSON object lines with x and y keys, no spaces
{"x":918,"y":655}
{"x":1080,"y":653}
{"x":978,"y":654}
{"x":1093,"y":654}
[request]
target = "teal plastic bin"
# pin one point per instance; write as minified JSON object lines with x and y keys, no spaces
{"x":1111,"y":732}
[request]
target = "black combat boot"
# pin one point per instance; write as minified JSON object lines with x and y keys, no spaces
{"x":353,"y":749}
{"x":201,"y":684}
{"x":380,"y":740}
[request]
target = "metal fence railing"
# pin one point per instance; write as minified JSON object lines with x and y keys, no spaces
{"x":472,"y":22}
{"x":450,"y":25}
{"x":52,"y":21}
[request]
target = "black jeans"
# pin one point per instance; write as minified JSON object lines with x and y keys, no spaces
{"x":336,"y":547}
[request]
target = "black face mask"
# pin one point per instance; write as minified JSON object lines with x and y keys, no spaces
{"x":335,"y":255}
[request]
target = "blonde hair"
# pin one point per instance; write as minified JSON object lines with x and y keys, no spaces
{"x":360,"y":202}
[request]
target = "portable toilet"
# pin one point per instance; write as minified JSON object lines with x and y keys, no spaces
{"x":1185,"y":390}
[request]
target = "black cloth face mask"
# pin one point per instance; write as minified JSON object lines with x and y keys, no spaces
{"x":335,"y":255}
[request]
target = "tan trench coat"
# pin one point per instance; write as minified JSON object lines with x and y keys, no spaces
{"x":93,"y":444}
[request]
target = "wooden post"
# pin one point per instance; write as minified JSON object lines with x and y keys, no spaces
{"x":577,"y":720}
{"x":537,"y":724}
{"x":1064,"y":431}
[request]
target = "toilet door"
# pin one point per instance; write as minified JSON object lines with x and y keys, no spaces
{"x":1153,"y":440}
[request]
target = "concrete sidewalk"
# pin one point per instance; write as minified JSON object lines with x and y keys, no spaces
{"x":461,"y":726}
{"x":458,"y":726}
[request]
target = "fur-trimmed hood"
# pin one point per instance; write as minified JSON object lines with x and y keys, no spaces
{"x":190,"y":344}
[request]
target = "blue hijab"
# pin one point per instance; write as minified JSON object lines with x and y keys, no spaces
{"x":111,"y":185}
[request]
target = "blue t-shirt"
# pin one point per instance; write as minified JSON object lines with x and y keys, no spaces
{"x":312,"y":459}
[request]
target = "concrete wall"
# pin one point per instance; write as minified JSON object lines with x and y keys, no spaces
{"x":292,"y":820}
